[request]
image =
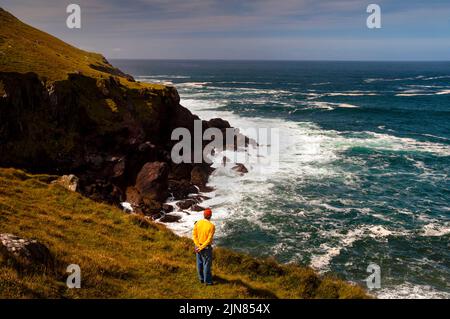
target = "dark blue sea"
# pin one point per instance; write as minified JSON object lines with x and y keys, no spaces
{"x":364,"y":164}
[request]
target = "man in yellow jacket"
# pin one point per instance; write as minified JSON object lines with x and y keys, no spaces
{"x":202,"y":235}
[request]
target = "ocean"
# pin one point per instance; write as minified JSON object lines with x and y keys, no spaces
{"x":363,"y":168}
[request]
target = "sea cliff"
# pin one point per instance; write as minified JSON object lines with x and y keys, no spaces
{"x":64,"y":111}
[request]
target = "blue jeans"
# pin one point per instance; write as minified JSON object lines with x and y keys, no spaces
{"x":204,"y":264}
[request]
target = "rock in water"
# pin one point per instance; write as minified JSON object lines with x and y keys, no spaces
{"x":218,"y":123}
{"x":69,"y":182}
{"x":170,"y":218}
{"x":240,"y":168}
{"x":167,"y":208}
{"x":180,"y":189}
{"x":186,"y":204}
{"x":200,"y":175}
{"x":197,"y":208}
{"x":29,"y":251}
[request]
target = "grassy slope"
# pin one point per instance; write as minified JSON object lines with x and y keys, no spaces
{"x":26,"y":49}
{"x":127,"y":256}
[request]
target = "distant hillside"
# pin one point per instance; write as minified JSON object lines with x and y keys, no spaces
{"x":26,"y":49}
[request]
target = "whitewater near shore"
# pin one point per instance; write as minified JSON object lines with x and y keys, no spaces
{"x":355,"y":184}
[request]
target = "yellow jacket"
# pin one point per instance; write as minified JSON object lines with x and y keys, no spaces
{"x":203,"y":233}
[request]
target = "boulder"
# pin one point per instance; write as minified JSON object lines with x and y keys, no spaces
{"x":240,"y":168}
{"x":180,"y":171}
{"x":70,"y":182}
{"x":181,"y":189}
{"x":25,"y":250}
{"x":119,"y":168}
{"x":199,"y":198}
{"x":167,"y":208}
{"x":151,"y":181}
{"x":197,"y":208}
{"x":151,"y":207}
{"x":133,"y":197}
{"x":200,"y":175}
{"x":186,"y":204}
{"x":170,"y":218}
{"x":218,"y":123}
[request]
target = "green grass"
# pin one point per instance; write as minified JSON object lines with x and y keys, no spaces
{"x":26,"y":49}
{"x":127,"y":256}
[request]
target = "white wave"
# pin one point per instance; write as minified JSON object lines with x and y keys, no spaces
{"x":305,"y":151}
{"x":380,"y":232}
{"x":244,"y":82}
{"x":162,"y":76}
{"x":301,"y":153}
{"x":329,"y":105}
{"x":380,"y":141}
{"x":423,"y":86}
{"x":435,"y":136}
{"x":321,"y":261}
{"x":321,"y":83}
{"x":436,"y":77}
{"x":443,"y":92}
{"x":371,"y":80}
{"x":236,"y":91}
{"x":192,"y":84}
{"x":419,"y":77}
{"x":411,"y":291}
{"x":351,"y":93}
{"x":156,"y":80}
{"x":435,"y":230}
{"x":422,"y":93}
{"x":413,"y":94}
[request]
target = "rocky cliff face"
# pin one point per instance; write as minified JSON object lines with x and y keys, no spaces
{"x":116,"y":139}
{"x":67,"y":111}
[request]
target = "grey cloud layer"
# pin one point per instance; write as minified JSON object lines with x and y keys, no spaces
{"x":250,"y":29}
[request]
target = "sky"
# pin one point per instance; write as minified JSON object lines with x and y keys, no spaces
{"x":247,"y":29}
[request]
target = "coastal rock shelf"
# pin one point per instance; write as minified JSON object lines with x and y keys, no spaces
{"x":96,"y":123}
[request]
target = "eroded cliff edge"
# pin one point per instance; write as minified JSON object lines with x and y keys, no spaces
{"x":67,"y":111}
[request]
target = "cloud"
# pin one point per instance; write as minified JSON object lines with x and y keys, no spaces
{"x":159,"y":28}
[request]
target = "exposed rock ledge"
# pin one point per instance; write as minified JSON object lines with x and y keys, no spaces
{"x":23,"y":250}
{"x":113,"y":137}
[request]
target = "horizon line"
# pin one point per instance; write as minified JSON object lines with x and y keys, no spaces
{"x":272,"y":60}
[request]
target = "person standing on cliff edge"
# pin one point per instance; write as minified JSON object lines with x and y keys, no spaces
{"x":202,"y":235}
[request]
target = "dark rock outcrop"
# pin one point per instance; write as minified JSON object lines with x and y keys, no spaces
{"x":170,"y":218}
{"x":180,"y":189}
{"x":25,"y":251}
{"x":167,"y":208}
{"x":240,"y":168}
{"x":69,"y":182}
{"x":186,"y":203}
{"x":200,"y":175}
{"x":115,"y":138}
{"x":197,"y":208}
{"x":151,"y":181}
